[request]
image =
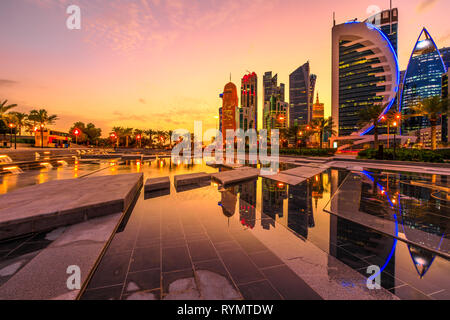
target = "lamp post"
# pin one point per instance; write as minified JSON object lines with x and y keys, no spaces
{"x":11,"y":126}
{"x":42,"y":136}
{"x":139,"y":138}
{"x":76,"y":133}
{"x":395,"y":124}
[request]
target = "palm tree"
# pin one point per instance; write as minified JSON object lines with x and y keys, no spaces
{"x":323,"y":126}
{"x":150,"y":133}
{"x":4,"y":108}
{"x":20,"y":119}
{"x":119,"y":133}
{"x":372,"y":115}
{"x":127,"y":133}
{"x":138,"y":134}
{"x":432,"y":108}
{"x":42,"y":118}
{"x":169,"y":133}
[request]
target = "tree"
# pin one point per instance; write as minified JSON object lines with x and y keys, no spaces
{"x":432,"y":108}
{"x":42,"y":118}
{"x":20,"y":119}
{"x":138,"y":133}
{"x":169,"y":133}
{"x":119,"y":134}
{"x":127,"y":132}
{"x":4,"y":108}
{"x":323,"y":127}
{"x":150,"y":133}
{"x":93,"y":133}
{"x":372,"y":115}
{"x":82,"y":128}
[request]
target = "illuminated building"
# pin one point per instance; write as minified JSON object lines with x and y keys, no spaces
{"x":248,"y":112}
{"x":270,"y":87}
{"x":275,"y":114}
{"x":229,"y":108}
{"x":301,"y":95}
{"x":387,"y":22}
{"x":364,"y":72}
{"x":445,"y":53}
{"x":445,"y":118}
{"x":318,"y":109}
{"x":423,"y":79}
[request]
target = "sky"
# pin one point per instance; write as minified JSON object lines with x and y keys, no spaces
{"x":161,"y":64}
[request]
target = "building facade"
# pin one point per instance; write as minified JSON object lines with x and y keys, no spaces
{"x":230,"y":104}
{"x":387,"y":22}
{"x":445,"y":53}
{"x":301,"y":95}
{"x":365,"y":71}
{"x":248,"y":112}
{"x":275,"y":114}
{"x":423,"y":79}
{"x":318,"y":109}
{"x":270,"y":87}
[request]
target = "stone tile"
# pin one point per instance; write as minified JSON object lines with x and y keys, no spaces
{"x":193,"y":178}
{"x":108,"y":293}
{"x":249,"y":243}
{"x":441,"y":295}
{"x":289,"y":285}
{"x":260,"y":290}
{"x":157,"y":184}
{"x":265,"y":259}
{"x":409,"y":293}
{"x":111,"y":271}
{"x":145,"y":259}
{"x":202,"y":250}
{"x":240,"y":266}
{"x":170,"y":277}
{"x":174,"y":259}
{"x":226,"y":246}
{"x":61,"y":202}
{"x":143,"y":295}
{"x":143,"y":281}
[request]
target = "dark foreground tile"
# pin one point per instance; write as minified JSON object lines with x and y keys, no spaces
{"x":145,"y":259}
{"x":202,"y":250}
{"x":174,"y":259}
{"x":409,"y":293}
{"x":240,"y":266}
{"x":289,"y":285}
{"x":143,"y":281}
{"x":261,"y":290}
{"x":111,"y":271}
{"x":265,"y":259}
{"x":108,"y":293}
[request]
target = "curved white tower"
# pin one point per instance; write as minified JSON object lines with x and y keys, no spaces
{"x":364,"y":71}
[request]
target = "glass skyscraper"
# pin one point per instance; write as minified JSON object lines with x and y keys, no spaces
{"x":423,"y":79}
{"x":301,"y":94}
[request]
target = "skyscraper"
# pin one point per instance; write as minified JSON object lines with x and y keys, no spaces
{"x":318,"y":109}
{"x":423,"y":79}
{"x":387,"y":22}
{"x":445,"y":53}
{"x":270,"y":87}
{"x":248,"y":112}
{"x":275,"y":114}
{"x":301,"y":87}
{"x":364,"y":72}
{"x":229,"y":108}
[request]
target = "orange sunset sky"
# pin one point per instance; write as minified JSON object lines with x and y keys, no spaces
{"x":162,"y":64}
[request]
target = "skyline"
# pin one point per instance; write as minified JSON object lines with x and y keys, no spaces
{"x":116,"y":71}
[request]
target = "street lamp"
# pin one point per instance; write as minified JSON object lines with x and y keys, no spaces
{"x":11,"y":125}
{"x":114,"y":136}
{"x":42,"y":136}
{"x":138,"y":137}
{"x":395,"y":124}
{"x":76,"y":133}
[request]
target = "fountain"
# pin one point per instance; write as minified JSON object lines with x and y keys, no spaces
{"x":46,"y":165}
{"x":5,"y":159}
{"x":62,"y":163}
{"x":13,"y":170}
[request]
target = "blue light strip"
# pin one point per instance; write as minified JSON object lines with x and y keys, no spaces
{"x":394,"y":243}
{"x":391,"y":103}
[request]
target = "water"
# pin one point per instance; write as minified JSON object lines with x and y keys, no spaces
{"x":265,"y":205}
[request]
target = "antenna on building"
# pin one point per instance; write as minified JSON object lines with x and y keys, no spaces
{"x":230,"y":76}
{"x":334,"y":18}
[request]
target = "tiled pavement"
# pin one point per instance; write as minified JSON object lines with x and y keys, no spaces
{"x":166,"y":241}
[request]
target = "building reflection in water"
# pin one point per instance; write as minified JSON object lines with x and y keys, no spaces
{"x":228,"y":201}
{"x":273,"y":195}
{"x":247,"y":204}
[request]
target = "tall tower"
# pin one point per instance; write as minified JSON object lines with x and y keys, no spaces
{"x":423,"y":79}
{"x":229,"y":108}
{"x":301,"y":95}
{"x":387,"y":22}
{"x":365,"y":71}
{"x":248,"y":112}
{"x":270,"y":87}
